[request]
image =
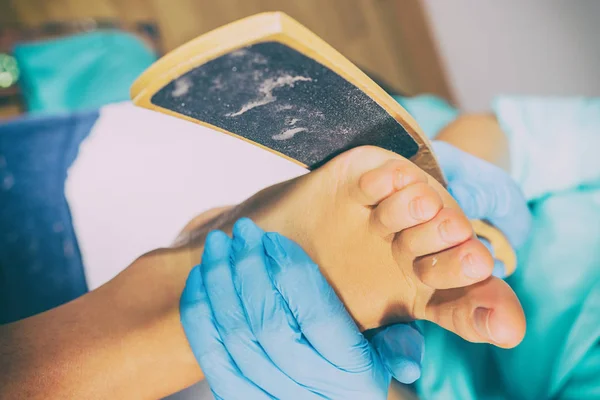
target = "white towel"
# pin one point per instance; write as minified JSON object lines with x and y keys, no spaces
{"x":141,"y":176}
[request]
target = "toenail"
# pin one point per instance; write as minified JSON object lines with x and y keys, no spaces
{"x":450,"y":231}
{"x":474,"y":267}
{"x":496,"y":333}
{"x":399,"y":181}
{"x":421,"y":209}
{"x":481,"y":317}
{"x":416,"y":208}
{"x":501,"y":333}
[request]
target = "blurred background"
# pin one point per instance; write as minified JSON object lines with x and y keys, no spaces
{"x":465,"y":51}
{"x":67,"y":59}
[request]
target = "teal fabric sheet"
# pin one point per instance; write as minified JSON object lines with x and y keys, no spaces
{"x":84,"y":71}
{"x":553,"y":143}
{"x":431,"y":112}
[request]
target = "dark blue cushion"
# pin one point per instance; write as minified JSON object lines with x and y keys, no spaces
{"x":40,"y":262}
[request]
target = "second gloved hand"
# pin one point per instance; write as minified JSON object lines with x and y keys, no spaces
{"x":485,"y":191}
{"x":264,"y":323}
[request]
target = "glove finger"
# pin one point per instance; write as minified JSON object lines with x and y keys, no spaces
{"x":450,"y":159}
{"x":401,"y":348}
{"x":272,"y":323}
{"x":501,"y":203}
{"x":221,"y":372}
{"x":485,"y":191}
{"x":232,"y":324}
{"x":499,"y":270}
{"x":475,"y":200}
{"x":328,"y":326}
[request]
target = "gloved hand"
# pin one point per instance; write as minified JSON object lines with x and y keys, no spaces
{"x":484,"y":191}
{"x":264,"y":323}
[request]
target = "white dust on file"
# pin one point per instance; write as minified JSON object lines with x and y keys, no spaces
{"x":265,"y":91}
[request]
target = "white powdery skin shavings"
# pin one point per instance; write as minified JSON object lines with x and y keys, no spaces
{"x":288,"y":134}
{"x":266,"y":92}
{"x":182,"y":87}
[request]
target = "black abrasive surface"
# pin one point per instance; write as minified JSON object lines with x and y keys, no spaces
{"x":276,"y":96}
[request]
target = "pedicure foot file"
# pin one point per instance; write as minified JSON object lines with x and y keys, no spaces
{"x":268,"y":80}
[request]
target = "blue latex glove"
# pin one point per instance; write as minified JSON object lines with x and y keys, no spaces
{"x":264,"y":323}
{"x":485,"y":191}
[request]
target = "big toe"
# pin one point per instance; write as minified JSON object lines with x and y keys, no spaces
{"x":488,"y":312}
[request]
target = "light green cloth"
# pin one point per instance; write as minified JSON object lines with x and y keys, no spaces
{"x":84,"y":71}
{"x":553,"y":147}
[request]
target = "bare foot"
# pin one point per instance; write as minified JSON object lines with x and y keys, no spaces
{"x":392,"y":242}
